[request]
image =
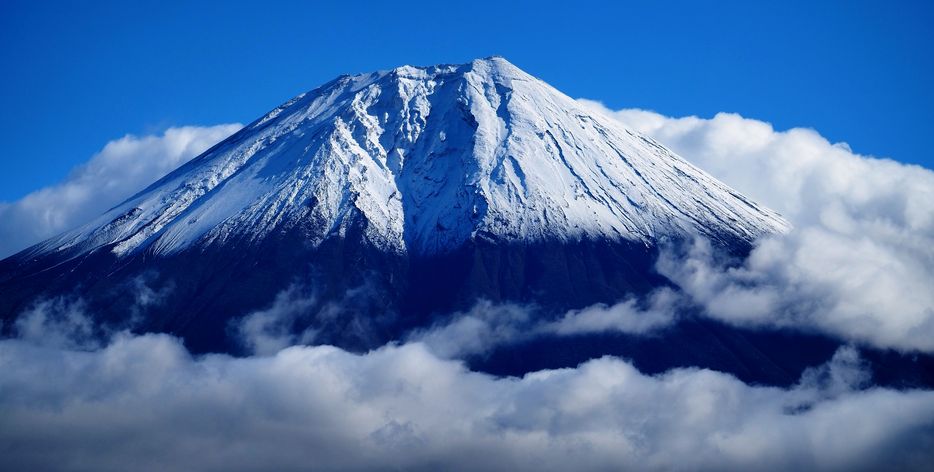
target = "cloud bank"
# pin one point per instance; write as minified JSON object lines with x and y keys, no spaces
{"x":121,"y":168}
{"x":859,"y":263}
{"x":145,"y":401}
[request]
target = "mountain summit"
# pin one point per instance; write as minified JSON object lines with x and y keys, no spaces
{"x":426,"y":159}
{"x":378,"y":203}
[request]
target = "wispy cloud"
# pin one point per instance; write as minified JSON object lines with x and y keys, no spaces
{"x":488,"y":326}
{"x":478,"y":331}
{"x":59,"y":322}
{"x":121,"y":168}
{"x":278,"y":326}
{"x":298,"y":315}
{"x":659,"y":310}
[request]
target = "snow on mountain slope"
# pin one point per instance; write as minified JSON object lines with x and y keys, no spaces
{"x":426,"y":159}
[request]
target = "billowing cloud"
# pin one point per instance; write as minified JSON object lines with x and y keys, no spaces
{"x":859,"y":263}
{"x":145,"y":401}
{"x":796,"y":172}
{"x":857,"y":289}
{"x":121,"y":168}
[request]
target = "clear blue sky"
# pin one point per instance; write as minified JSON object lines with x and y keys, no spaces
{"x":77,"y":74}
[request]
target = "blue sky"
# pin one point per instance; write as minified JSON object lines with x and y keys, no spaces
{"x":78,"y":74}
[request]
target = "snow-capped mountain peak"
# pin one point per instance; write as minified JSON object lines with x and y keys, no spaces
{"x":421,"y":160}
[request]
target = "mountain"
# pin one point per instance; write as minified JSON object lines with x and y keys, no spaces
{"x":389,"y":199}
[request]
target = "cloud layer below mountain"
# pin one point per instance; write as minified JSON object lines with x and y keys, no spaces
{"x":145,"y":401}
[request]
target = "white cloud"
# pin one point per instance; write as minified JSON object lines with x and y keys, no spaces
{"x":660,"y":310}
{"x":63,"y":321}
{"x":121,"y":168}
{"x":487,"y":326}
{"x":478,"y":331}
{"x":57,"y":322}
{"x":297,"y":315}
{"x":859,"y":263}
{"x":145,"y":403}
{"x":273,"y":329}
{"x":796,"y":172}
